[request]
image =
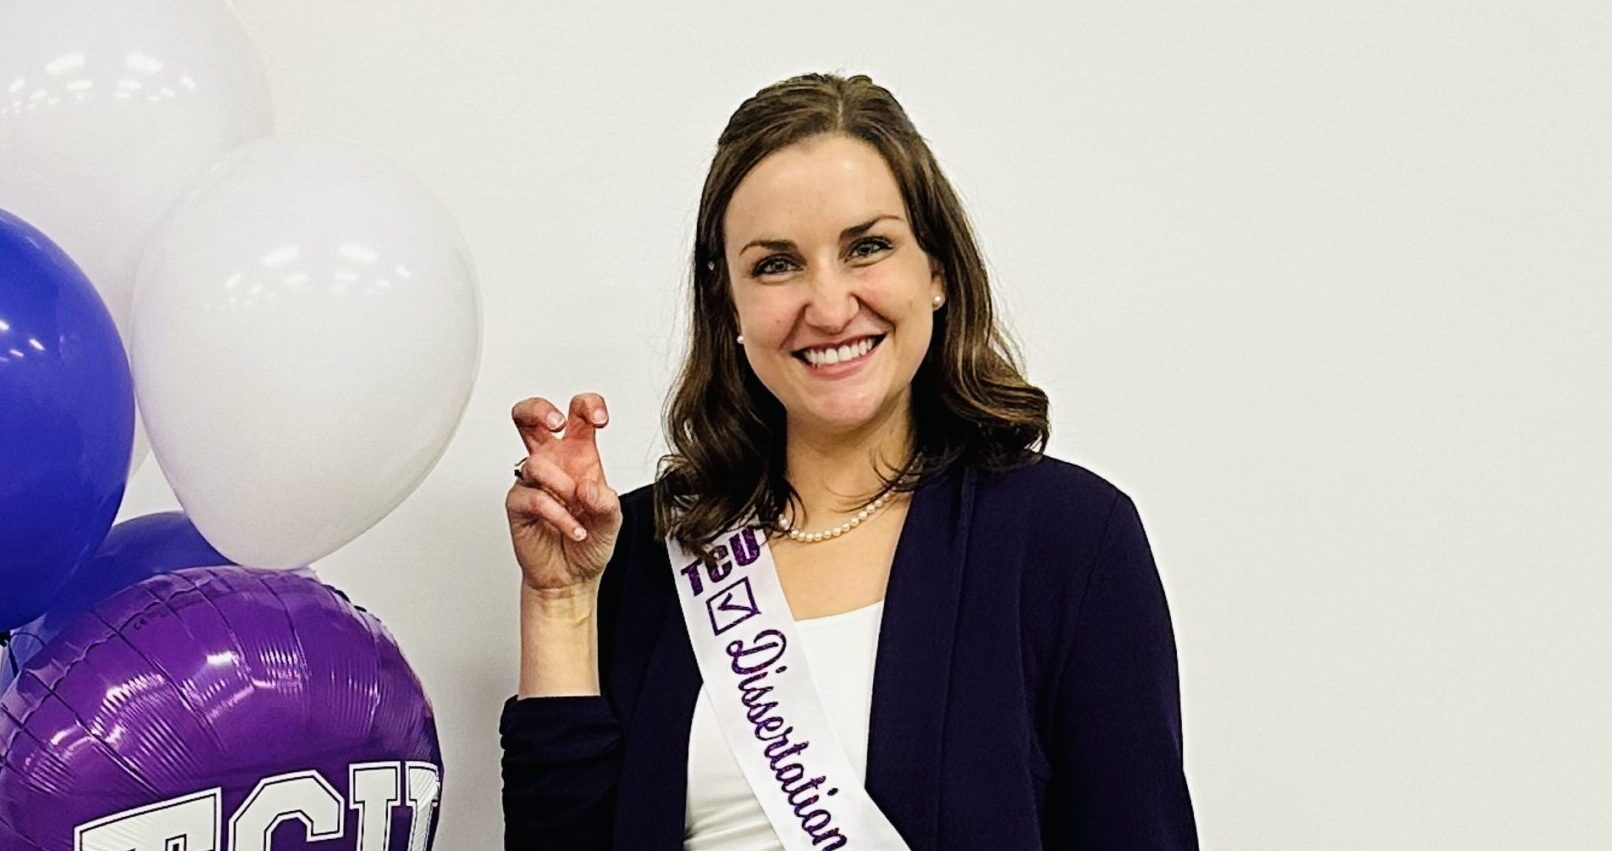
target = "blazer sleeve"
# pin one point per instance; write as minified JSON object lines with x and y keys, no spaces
{"x":562,"y":755}
{"x":561,"y":760}
{"x":1117,"y":777}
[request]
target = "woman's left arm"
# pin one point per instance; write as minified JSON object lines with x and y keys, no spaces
{"x":1115,"y":736}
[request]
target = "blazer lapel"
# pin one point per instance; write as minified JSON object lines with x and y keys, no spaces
{"x":912,"y":666}
{"x":653,"y":789}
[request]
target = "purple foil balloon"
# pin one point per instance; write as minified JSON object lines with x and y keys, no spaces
{"x":241,"y":709}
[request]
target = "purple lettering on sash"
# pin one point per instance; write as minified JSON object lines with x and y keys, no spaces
{"x":752,"y":663}
{"x":744,"y":684}
{"x":746,"y":549}
{"x":692,"y":571}
{"x":758,"y":711}
{"x":824,"y":837}
{"x":801,"y":788}
{"x":772,"y":758}
{"x":736,"y":649}
{"x":719,"y":568}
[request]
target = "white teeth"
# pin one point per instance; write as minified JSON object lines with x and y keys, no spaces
{"x":826,"y":357}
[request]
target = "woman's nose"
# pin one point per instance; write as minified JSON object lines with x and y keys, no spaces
{"x":831,"y":301}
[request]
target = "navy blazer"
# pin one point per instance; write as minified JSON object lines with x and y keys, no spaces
{"x":1025,"y":690}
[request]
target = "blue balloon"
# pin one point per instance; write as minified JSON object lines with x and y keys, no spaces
{"x":66,"y":420}
{"x":134,"y":550}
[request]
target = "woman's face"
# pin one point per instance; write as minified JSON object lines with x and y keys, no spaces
{"x":821,"y":253}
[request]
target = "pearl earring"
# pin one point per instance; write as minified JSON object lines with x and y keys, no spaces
{"x":741,"y":339}
{"x":938,"y":299}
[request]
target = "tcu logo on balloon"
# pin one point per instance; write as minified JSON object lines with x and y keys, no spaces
{"x":195,"y":822}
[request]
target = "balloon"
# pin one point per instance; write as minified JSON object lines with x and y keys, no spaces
{"x":66,"y":420}
{"x":107,"y":112}
{"x":219,"y":700}
{"x":133,"y":550}
{"x":306,"y":331}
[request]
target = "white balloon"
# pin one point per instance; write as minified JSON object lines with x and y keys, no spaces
{"x":108,"y":111}
{"x":305,"y":335}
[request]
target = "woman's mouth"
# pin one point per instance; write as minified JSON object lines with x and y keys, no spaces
{"x":842,"y":360}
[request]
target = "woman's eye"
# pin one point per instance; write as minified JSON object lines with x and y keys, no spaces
{"x":765,"y":267}
{"x":876,"y":242}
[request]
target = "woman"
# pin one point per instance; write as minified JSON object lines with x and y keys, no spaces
{"x":982,"y":650}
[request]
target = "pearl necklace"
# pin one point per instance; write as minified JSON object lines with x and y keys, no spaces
{"x":814,"y":537}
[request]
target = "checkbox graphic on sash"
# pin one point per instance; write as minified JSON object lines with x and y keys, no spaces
{"x":732,"y":606}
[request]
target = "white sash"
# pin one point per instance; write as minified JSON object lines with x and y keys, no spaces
{"x":764,"y":699}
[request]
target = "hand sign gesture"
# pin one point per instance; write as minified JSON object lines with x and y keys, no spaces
{"x":562,"y":492}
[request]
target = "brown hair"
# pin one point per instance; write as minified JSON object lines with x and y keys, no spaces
{"x":725,"y":428}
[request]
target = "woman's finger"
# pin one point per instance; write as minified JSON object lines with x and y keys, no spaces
{"x":537,"y":419}
{"x":540,"y":471}
{"x":596,"y":495}
{"x":588,"y":413}
{"x":532,"y":502}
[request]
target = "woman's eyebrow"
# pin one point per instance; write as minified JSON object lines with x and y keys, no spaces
{"x":787,"y":245}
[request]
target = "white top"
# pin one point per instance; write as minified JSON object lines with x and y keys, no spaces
{"x":722,"y":814}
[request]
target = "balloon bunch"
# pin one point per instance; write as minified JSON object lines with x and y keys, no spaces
{"x":293,"y":328}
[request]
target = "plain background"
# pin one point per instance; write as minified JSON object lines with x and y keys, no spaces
{"x":1323,"y":286}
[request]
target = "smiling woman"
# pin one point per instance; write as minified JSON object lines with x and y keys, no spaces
{"x":858,"y":606}
{"x":826,"y":223}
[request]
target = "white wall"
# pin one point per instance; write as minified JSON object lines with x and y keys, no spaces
{"x":1324,"y":286}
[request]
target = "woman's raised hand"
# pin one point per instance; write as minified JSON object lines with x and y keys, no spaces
{"x":560,"y":493}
